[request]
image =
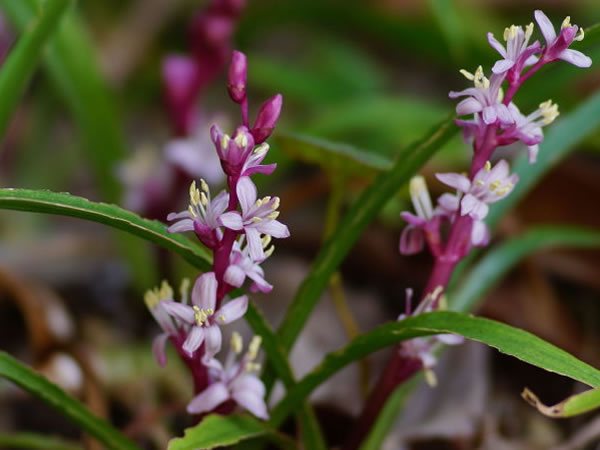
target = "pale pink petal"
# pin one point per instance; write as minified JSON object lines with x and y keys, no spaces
{"x":158,"y":348}
{"x":204,"y":293}
{"x":473,"y":206}
{"x":480,"y":235}
{"x":178,"y":310}
{"x":575,"y":57}
{"x":255,"y":247}
{"x":234,"y":276}
{"x":181,"y":226}
{"x":412,"y":219}
{"x":212,"y":342}
{"x":546,"y":26}
{"x":193,"y":340}
{"x":489,"y":115}
{"x":267,"y":169}
{"x":412,"y":240}
{"x":504,"y":114}
{"x":468,"y":106}
{"x":450,"y":339}
{"x":252,"y":403}
{"x":532,"y":152}
{"x":259,"y":282}
{"x":231,"y":220}
{"x":232,"y":310}
{"x":246,"y":192}
{"x":503,"y":66}
{"x":496,"y":45}
{"x":180,"y":215}
{"x":208,"y":399}
{"x":219,"y":203}
{"x":248,"y":382}
{"x":455,"y":180}
{"x":448,"y":202}
{"x":273,"y":228}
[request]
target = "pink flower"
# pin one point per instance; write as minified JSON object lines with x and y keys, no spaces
{"x":517,"y":53}
{"x":202,"y":215}
{"x":557,"y":46}
{"x":242,"y":266}
{"x":204,"y":320}
{"x":488,"y":186}
{"x":267,"y":117}
{"x":257,"y":216}
{"x":236,"y":381}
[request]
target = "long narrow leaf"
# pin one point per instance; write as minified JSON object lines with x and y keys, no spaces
{"x":33,"y":441}
{"x":51,"y":394}
{"x":501,"y":259}
{"x":24,"y":57}
{"x":351,"y":226}
{"x":512,"y":341}
{"x":111,"y":215}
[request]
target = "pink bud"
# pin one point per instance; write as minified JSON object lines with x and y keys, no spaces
{"x":266,"y":119}
{"x":180,"y":78}
{"x":238,"y":75}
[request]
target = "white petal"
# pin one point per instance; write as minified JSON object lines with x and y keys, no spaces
{"x":252,"y":402}
{"x":246,"y":192}
{"x":178,"y":310}
{"x":231,"y":220}
{"x":455,"y":180}
{"x":204,"y":293}
{"x":181,"y":226}
{"x":273,"y":228}
{"x":255,"y":247}
{"x":479,"y":234}
{"x":234,"y":275}
{"x":212,"y":342}
{"x":232,"y":310}
{"x":496,"y":45}
{"x":220,"y":202}
{"x":504,"y":65}
{"x":489,"y":115}
{"x":158,"y":348}
{"x":575,"y":57}
{"x":450,"y":339}
{"x":248,"y":382}
{"x":532,"y":152}
{"x":193,"y":340}
{"x":546,"y":26}
{"x":208,"y":399}
{"x":468,"y":106}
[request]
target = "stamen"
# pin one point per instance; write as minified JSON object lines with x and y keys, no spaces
{"x":258,"y":203}
{"x":237,"y":343}
{"x":276,"y":202}
{"x":184,"y":288}
{"x":480,"y":183}
{"x":528,"y":31}
{"x":241,"y":140}
{"x":256,"y":219}
{"x":269,"y":251}
{"x":254,"y":347}
{"x":252,"y":367}
{"x":420,"y":197}
{"x":261,"y":149}
{"x":203,"y":199}
{"x":430,"y":377}
{"x":566,"y":23}
{"x":580,"y":35}
{"x":488,"y":166}
{"x":468,"y":75}
{"x":495,"y":185}
{"x":225,"y":141}
{"x":191,"y":211}
{"x":266,"y":240}
{"x":203,"y":185}
{"x":273,"y":215}
{"x":165,"y":290}
{"x":222,"y":318}
{"x":151,"y":298}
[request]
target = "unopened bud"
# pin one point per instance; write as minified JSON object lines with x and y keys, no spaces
{"x":266,"y":119}
{"x":238,"y":76}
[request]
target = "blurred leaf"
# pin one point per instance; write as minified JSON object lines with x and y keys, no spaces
{"x":571,"y":406}
{"x":71,"y":408}
{"x":218,"y":431}
{"x":72,"y":66}
{"x":332,"y":155}
{"x":354,"y":222}
{"x":451,"y":24}
{"x":111,"y":215}
{"x":23,"y":58}
{"x":498,"y":261}
{"x":512,"y":341}
{"x":33,"y":441}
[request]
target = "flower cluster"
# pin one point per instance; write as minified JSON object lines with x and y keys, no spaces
{"x":456,"y":223}
{"x":238,"y":228}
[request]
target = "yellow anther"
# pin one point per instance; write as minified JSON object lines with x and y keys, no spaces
{"x":191,"y":211}
{"x":511,"y":32}
{"x":580,"y":35}
{"x":252,"y":367}
{"x":266,"y":240}
{"x":151,"y":298}
{"x":528,"y":31}
{"x":502,"y":191}
{"x":203,"y":199}
{"x":479,"y":183}
{"x":200,"y":315}
{"x":443,"y":303}
{"x":203,"y":185}
{"x":209,"y":311}
{"x":276,"y":202}
{"x":262,"y":149}
{"x":274,"y":215}
{"x":566,"y":23}
{"x":430,"y":377}
{"x":256,"y":219}
{"x":225,"y":141}
{"x":237,"y":343}
{"x":467,"y":75}
{"x":254,"y":347}
{"x":222,"y":318}
{"x":184,"y":288}
{"x":165,"y":290}
{"x":241,"y":140}
{"x":269,"y":251}
{"x":259,"y":203}
{"x":488,"y":166}
{"x":495,"y":185}
{"x":266,"y":199}
{"x":500,"y":96}
{"x":194,"y":194}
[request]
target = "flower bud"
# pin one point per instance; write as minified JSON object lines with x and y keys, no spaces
{"x":266,"y":119}
{"x":180,"y":76}
{"x":238,"y":75}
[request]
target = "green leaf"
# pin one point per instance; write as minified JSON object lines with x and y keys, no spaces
{"x":111,"y":215}
{"x":512,"y":341}
{"x":354,"y":222}
{"x":571,"y":406}
{"x":332,"y":155}
{"x":23,"y":58}
{"x":218,"y":431}
{"x":71,"y":64}
{"x":71,"y":408}
{"x":451,"y":24}
{"x":33,"y":441}
{"x":502,"y":258}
